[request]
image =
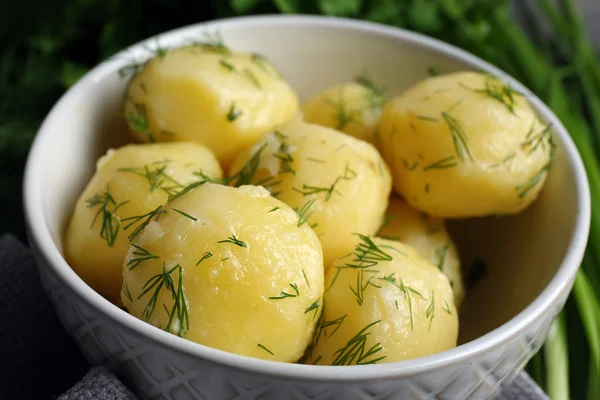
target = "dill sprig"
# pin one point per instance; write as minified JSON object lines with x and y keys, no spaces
{"x":126,"y":291}
{"x":446,"y":162}
{"x":307,"y":190}
{"x":265,"y":349}
{"x":252,"y":78}
{"x":185,"y":190}
{"x":441,"y":255}
{"x":305,"y":278}
{"x":109,"y":230}
{"x":525,"y":188}
{"x":143,"y":221}
{"x":430,"y":313}
{"x":541,"y":139}
{"x":157,"y":177}
{"x":284,"y":155}
{"x":321,"y":330}
{"x":406,"y":292}
{"x":499,"y":91}
{"x":233,"y":113}
{"x":285,"y":294}
{"x":376,"y":95}
{"x":138,"y":121}
{"x":141,"y":255}
{"x":246,"y":174}
{"x":459,"y":137}
{"x":342,"y":115}
{"x":355,"y":351}
{"x":273,"y":210}
{"x":446,"y":308}
{"x":179,"y":313}
{"x":313,"y":307}
{"x":185,"y":214}
{"x":304,"y":212}
{"x":232,"y":239}
{"x":214,"y":43}
{"x":205,"y":256}
{"x":226,"y":64}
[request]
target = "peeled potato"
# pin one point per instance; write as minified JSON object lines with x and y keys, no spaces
{"x":130,"y":181}
{"x":383,"y":303}
{"x":465,"y":145}
{"x":353,"y":108}
{"x":338,"y":184}
{"x":209,"y":94}
{"x":239,"y":274}
{"x":429,"y":237}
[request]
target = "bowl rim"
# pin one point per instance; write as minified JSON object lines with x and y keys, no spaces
{"x":547,"y":302}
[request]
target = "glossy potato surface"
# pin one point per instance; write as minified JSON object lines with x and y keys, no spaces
{"x":383,"y":303}
{"x":244,"y":277}
{"x":429,"y":236}
{"x":465,"y":145}
{"x":353,"y":108}
{"x":338,"y":184}
{"x":129,"y":182}
{"x":222,"y":99}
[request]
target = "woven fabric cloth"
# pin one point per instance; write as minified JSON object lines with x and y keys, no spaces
{"x":40,"y":361}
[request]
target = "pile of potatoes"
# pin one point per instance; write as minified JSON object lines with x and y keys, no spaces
{"x":246,"y":222}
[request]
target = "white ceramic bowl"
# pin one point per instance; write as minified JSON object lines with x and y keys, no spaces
{"x":532,"y":258}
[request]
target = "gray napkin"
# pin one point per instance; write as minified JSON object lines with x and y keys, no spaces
{"x":39,"y":360}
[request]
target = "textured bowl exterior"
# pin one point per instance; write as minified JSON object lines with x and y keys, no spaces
{"x":156,"y":373}
{"x":157,"y":365}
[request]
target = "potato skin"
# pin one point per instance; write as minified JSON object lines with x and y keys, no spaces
{"x":251,"y":276}
{"x":405,"y":310}
{"x":222,"y":99}
{"x":351,"y":108}
{"x":99,"y":261}
{"x":429,"y":236}
{"x":339,"y":183}
{"x":465,"y":145}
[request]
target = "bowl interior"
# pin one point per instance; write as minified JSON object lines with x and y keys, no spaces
{"x":522,"y":253}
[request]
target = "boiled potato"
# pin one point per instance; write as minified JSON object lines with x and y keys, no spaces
{"x":239,"y":274}
{"x":383,"y":303}
{"x":338,"y":184}
{"x":128,"y":182}
{"x":429,"y":237}
{"x":465,"y":145}
{"x":353,"y":108}
{"x":207,"y":93}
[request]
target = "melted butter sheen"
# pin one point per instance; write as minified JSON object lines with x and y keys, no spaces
{"x":228,"y":294}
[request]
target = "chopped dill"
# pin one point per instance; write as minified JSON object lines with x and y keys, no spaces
{"x":185,"y":214}
{"x":446,"y":308}
{"x":138,"y":121}
{"x":273,"y":210}
{"x":245,"y":175}
{"x":447,"y":162}
{"x":355,"y":351}
{"x":284,"y":155}
{"x":227,"y":65}
{"x":143,"y":221}
{"x":233,"y":113}
{"x":433,"y":71}
{"x":459,"y":137}
{"x":441,"y":255}
{"x":406,"y":292}
{"x":315,"y":160}
{"x":214,"y":44}
{"x":541,"y":139}
{"x":205,"y":256}
{"x":376,"y":95}
{"x":304,"y":212}
{"x":499,"y":91}
{"x":525,"y":188}
{"x":252,"y":78}
{"x":260,"y":60}
{"x":265,"y":349}
{"x":157,"y":177}
{"x":426,"y":118}
{"x":109,"y":230}
{"x":185,"y":190}
{"x":305,"y":278}
{"x":285,"y":294}
{"x":126,"y":291}
{"x":427,"y":186}
{"x":342,"y":115}
{"x":430,"y":313}
{"x":179,"y":321}
{"x":340,"y":148}
{"x":141,"y":255}
{"x":313,"y":307}
{"x":407,"y":165}
{"x":232,"y":239}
